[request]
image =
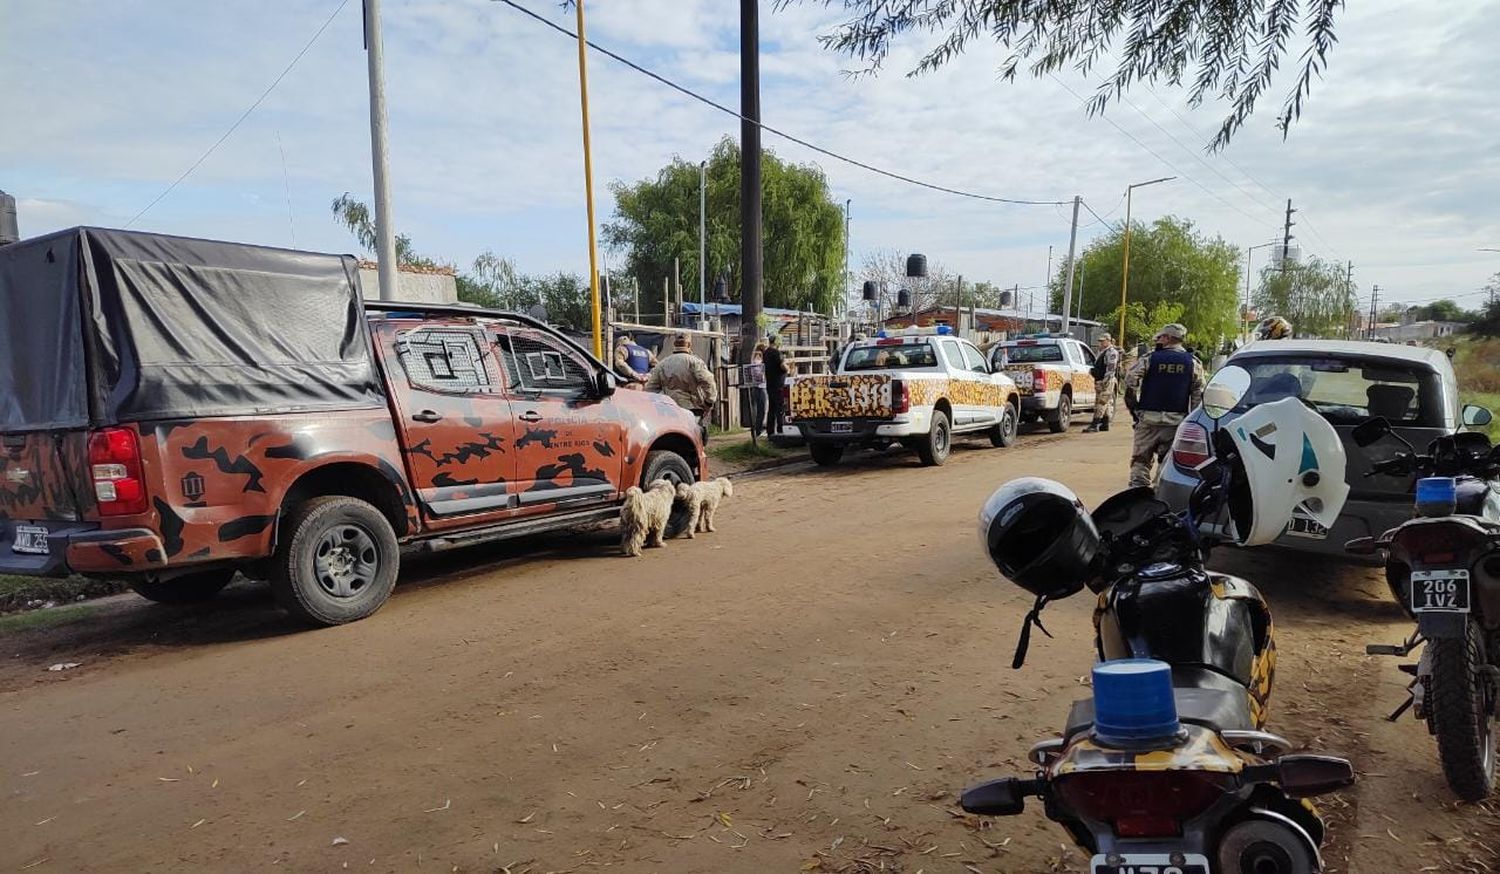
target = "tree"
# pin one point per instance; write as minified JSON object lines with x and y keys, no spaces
{"x":887,"y":269}
{"x":1314,"y":296}
{"x":1169,"y":262}
{"x":1142,"y":323}
{"x":356,"y":216}
{"x":656,"y":220}
{"x":1229,"y":49}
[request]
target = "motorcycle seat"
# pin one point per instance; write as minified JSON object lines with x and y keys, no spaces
{"x":1216,"y":709}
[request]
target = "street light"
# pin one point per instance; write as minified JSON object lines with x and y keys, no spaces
{"x":1246,"y":310}
{"x":1125,"y":272}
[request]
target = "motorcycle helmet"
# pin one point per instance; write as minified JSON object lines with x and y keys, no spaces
{"x":1291,"y":463}
{"x":1273,"y":328}
{"x":1039,"y":535}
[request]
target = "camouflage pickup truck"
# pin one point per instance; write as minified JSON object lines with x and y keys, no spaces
{"x":173,"y":411}
{"x":1053,"y":374}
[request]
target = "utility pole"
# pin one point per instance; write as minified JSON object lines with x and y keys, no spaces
{"x":1067,"y":301}
{"x":1081,"y":270}
{"x":844,"y":295}
{"x":385,"y":234}
{"x":1286,"y":239}
{"x":702,"y":241}
{"x":750,"y":228}
{"x":588,"y":182}
{"x":1348,"y":293}
{"x":1374,"y":311}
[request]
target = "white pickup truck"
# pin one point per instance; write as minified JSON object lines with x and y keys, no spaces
{"x":918,"y":387}
{"x":1053,"y":374}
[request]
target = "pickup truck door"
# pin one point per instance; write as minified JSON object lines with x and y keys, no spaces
{"x":571,"y":445}
{"x":456,"y":426}
{"x":1084,"y":390}
{"x":981,"y":395}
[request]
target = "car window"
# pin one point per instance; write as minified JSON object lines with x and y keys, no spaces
{"x":1348,"y":390}
{"x":536,"y":363}
{"x":443,"y":359}
{"x":1088,"y":355}
{"x":892,"y":356}
{"x":973,"y":360}
{"x":954,"y":355}
{"x":1031,"y":354}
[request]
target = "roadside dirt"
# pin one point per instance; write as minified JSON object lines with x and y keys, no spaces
{"x":806,"y":689}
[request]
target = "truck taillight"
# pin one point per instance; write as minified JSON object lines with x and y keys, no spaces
{"x":1190,"y":449}
{"x":115,"y":460}
{"x":900,"y":396}
{"x":1038,"y":381}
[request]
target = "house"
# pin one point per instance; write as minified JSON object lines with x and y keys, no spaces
{"x":1427,"y":329}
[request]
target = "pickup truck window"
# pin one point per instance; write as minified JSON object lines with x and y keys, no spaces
{"x":891,"y":357}
{"x":534,"y":364}
{"x":1032,"y":354}
{"x":973,"y":360}
{"x":443,"y":359}
{"x":954,"y":355}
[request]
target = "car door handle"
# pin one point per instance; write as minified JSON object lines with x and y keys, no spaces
{"x":426,"y":416}
{"x":530,"y":416}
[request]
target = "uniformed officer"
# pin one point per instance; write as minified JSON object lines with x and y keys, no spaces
{"x":1106,"y":371}
{"x":632,"y":360}
{"x":1159,"y":391}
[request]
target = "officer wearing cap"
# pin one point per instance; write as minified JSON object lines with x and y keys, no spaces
{"x":1105,"y":371}
{"x":1159,"y":391}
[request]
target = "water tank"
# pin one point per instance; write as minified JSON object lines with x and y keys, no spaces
{"x":916,"y":265}
{"x":10,"y":232}
{"x":871,"y":291}
{"x":903,"y":298}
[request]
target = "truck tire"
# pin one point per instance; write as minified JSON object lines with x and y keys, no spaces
{"x":192,"y":588}
{"x":336,"y":562}
{"x":1004,"y":434}
{"x":825,"y":454}
{"x":668,"y":465}
{"x":1062,"y":417}
{"x":934,"y":448}
{"x":1462,"y":711}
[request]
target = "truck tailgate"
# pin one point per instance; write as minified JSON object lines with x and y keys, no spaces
{"x":839,"y":396}
{"x":44,"y":475}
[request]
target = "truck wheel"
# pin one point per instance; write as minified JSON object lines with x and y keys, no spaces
{"x":668,"y":465}
{"x":934,"y":448}
{"x":1059,"y":421}
{"x":337,"y":561}
{"x":1463,"y":713}
{"x":186,"y":589}
{"x":825,"y":454}
{"x":1004,"y":434}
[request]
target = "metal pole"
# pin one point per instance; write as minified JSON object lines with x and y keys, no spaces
{"x":385,"y":235}
{"x":1245,"y":312}
{"x":703,"y":239}
{"x":588,"y":182}
{"x":1067,"y":306}
{"x":1125,"y":270}
{"x":844,"y":296}
{"x":750,"y":215}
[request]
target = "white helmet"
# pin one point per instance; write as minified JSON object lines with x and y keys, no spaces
{"x":1293,"y":460}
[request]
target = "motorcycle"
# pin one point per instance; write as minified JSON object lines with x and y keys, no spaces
{"x":1443,"y":568}
{"x":1168,"y":767}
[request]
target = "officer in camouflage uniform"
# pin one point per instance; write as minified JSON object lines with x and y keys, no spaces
{"x":1105,"y":372}
{"x":1159,"y":391}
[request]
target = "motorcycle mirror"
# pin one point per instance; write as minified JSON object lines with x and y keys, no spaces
{"x":1305,"y":775}
{"x":1371,"y":430}
{"x":1225,"y":391}
{"x":1475,"y":416}
{"x":1003,"y":797}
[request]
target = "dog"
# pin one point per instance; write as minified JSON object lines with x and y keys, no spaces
{"x":644,"y":515}
{"x":702,"y":501}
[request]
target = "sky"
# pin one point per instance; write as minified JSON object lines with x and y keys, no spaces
{"x":1393,"y":166}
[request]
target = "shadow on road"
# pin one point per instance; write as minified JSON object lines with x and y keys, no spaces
{"x":1314,"y":586}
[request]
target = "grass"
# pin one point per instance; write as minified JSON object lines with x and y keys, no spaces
{"x":37,"y":619}
{"x":736,"y":453}
{"x":1477,"y":363}
{"x":17,"y":592}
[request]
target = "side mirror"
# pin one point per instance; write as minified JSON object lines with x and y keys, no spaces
{"x":1003,"y":797}
{"x":1306,"y":775}
{"x":604,"y":384}
{"x":1225,"y":391}
{"x":1371,"y":430}
{"x":1475,"y":416}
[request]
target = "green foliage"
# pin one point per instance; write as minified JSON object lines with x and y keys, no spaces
{"x":1222,"y":50}
{"x":1314,"y":296}
{"x":656,"y":220}
{"x":1487,"y":321}
{"x":1142,"y":321}
{"x":1170,"y":263}
{"x":360,"y":221}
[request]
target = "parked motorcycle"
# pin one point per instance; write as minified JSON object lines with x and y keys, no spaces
{"x":1443,"y":568}
{"x":1168,"y":767}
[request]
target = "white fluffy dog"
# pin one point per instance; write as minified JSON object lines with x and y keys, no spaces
{"x":644,"y":515}
{"x":702,"y":501}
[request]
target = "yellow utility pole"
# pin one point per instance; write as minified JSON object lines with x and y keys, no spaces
{"x":1125,"y":271}
{"x":588,"y":184}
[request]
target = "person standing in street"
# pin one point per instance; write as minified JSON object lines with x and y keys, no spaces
{"x":775,"y":382}
{"x":755,"y":380}
{"x":1105,"y":372}
{"x":683,"y":377}
{"x":1159,"y":391}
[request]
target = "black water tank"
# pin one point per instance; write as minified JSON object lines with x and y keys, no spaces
{"x":903,"y":298}
{"x":10,"y":232}
{"x":871,"y":290}
{"x":916,"y":265}
{"x":1007,"y":299}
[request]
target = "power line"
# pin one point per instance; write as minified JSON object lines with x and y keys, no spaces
{"x":767,"y":128}
{"x":1102,"y":219}
{"x":244,"y":115}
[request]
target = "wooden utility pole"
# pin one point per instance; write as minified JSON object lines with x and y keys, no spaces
{"x":1286,"y":239}
{"x":750,"y":229}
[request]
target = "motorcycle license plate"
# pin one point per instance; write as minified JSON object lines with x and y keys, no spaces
{"x":1440,"y":591}
{"x":30,"y":539}
{"x":1149,"y":863}
{"x":1303,"y":526}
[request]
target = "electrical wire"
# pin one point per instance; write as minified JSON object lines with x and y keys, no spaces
{"x":682,"y":89}
{"x":244,"y":115}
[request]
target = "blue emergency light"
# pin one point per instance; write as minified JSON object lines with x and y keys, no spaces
{"x":944,"y":329}
{"x":1437,"y":496}
{"x":1133,"y":702}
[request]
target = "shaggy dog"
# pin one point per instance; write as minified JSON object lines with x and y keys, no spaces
{"x":702,"y":501}
{"x":644,"y":515}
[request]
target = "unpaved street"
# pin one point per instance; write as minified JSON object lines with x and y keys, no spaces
{"x":807,"y":688}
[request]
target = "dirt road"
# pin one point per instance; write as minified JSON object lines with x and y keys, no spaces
{"x":806,"y":689}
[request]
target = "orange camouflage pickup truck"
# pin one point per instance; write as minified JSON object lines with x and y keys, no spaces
{"x":173,"y":411}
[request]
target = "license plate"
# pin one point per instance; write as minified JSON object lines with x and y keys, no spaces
{"x":1302,"y":526}
{"x":842,"y":427}
{"x":1149,"y":863}
{"x":30,"y":538}
{"x":1440,"y":591}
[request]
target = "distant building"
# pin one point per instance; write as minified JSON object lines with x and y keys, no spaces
{"x":1423,"y":330}
{"x":414,"y":284}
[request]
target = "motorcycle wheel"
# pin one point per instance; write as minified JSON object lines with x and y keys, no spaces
{"x":1259,"y":846}
{"x":1462,"y":713}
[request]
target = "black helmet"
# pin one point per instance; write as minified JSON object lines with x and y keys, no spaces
{"x":1038,"y":534}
